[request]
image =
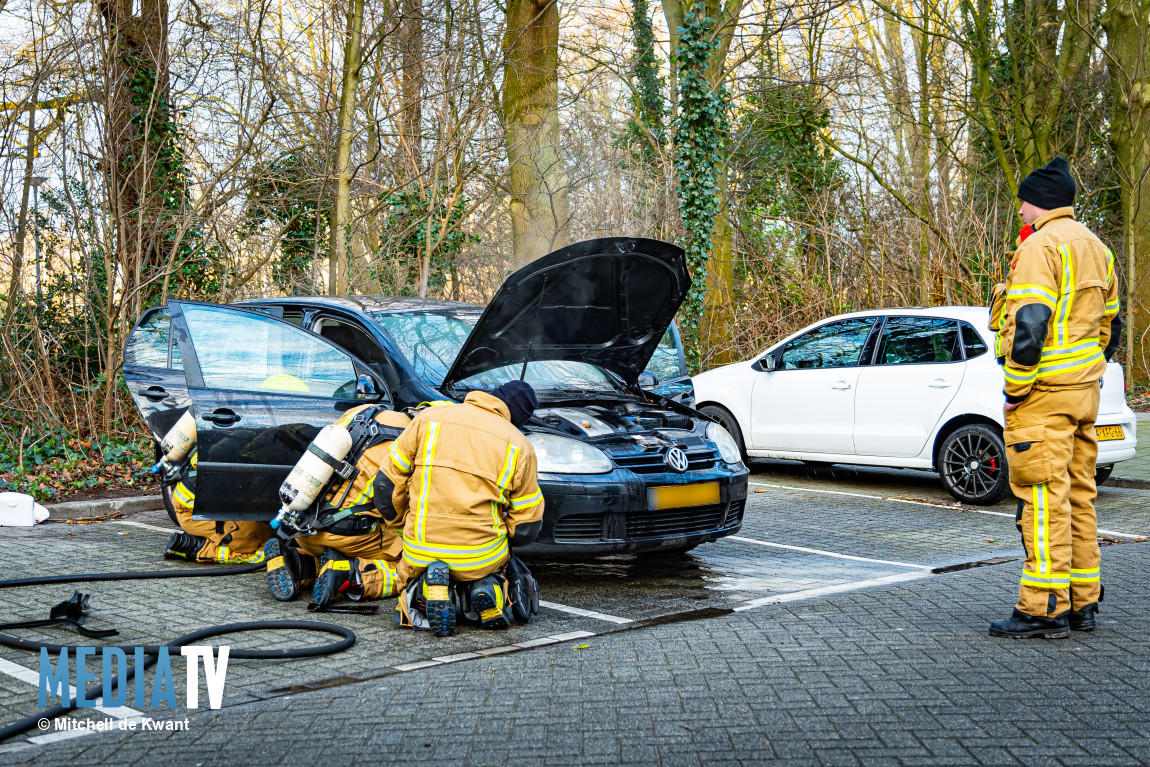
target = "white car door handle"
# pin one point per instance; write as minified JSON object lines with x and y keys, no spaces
{"x":939,"y":383}
{"x":841,"y":385}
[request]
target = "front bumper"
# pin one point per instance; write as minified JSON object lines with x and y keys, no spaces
{"x":595,"y":515}
{"x":1112,"y":451}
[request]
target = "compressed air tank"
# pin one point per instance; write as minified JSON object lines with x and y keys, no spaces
{"x":311,"y":473}
{"x":180,"y":439}
{"x":174,"y":448}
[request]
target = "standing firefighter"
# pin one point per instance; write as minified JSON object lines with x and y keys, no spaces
{"x":465,"y":486}
{"x":1058,"y":323}
{"x":348,"y":549}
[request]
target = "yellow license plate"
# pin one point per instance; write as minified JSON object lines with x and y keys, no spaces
{"x":678,"y":496}
{"x":1109,"y":432}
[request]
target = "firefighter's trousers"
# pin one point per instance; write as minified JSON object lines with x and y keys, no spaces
{"x":227,"y":542}
{"x":1051,"y":449}
{"x":375,"y":552}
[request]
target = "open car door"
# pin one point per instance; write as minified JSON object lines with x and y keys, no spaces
{"x":154,"y":372}
{"x":261,"y":389}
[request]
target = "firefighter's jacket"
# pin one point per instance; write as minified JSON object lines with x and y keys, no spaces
{"x":1061,"y":270}
{"x":464,"y":478}
{"x":360,"y":498}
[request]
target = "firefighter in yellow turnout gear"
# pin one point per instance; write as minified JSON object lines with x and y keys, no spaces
{"x":1058,"y":322}
{"x":229,"y":543}
{"x":356,"y":555}
{"x":465,"y":486}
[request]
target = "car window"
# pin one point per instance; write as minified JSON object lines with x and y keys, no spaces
{"x":149,"y":344}
{"x":835,"y":345}
{"x":545,"y":374}
{"x":973,"y":342}
{"x":918,"y":340}
{"x":429,"y":340}
{"x":665,"y":361}
{"x":247,"y":352}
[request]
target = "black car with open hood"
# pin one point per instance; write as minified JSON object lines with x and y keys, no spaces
{"x":626,"y":465}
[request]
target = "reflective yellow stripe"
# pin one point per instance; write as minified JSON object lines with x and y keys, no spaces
{"x":1085,"y":575}
{"x":184,"y":495}
{"x":428,"y":457}
{"x":1112,"y":307}
{"x":399,"y":459}
{"x":1017,"y":376}
{"x":461,"y":558}
{"x":1041,"y":529}
{"x":1048,"y":370}
{"x":1040,"y":292}
{"x":508,"y":467}
{"x":1109,"y":267}
{"x":1082,"y":349}
{"x":527,"y":501}
{"x":1066,"y":302}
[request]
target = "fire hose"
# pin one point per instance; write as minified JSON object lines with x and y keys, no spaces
{"x":70,"y":613}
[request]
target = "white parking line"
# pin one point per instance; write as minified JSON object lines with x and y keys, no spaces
{"x":824,"y":553}
{"x":956,"y":507}
{"x":16,"y":671}
{"x":585,"y":613}
{"x":841,"y":588}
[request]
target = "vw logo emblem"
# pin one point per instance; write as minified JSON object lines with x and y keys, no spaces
{"x":676,"y":459}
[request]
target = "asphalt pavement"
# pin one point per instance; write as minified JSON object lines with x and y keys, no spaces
{"x":845,"y":623}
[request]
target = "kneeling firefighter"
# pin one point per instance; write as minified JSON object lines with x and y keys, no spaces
{"x":465,"y":487}
{"x":229,"y":543}
{"x":344,"y":546}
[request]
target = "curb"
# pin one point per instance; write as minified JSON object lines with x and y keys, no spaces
{"x":98,"y":507}
{"x":1141,"y":484}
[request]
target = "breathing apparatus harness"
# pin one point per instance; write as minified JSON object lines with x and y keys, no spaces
{"x":365,"y":433}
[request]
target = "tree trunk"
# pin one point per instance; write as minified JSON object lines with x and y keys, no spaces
{"x":411,"y":86}
{"x":16,"y":287}
{"x":539,"y":209}
{"x":337,"y":279}
{"x":1126,"y":23}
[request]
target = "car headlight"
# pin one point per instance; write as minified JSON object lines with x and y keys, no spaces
{"x":560,"y":455}
{"x":728,"y":448}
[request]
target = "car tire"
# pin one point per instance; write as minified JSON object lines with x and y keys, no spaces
{"x":728,"y":422}
{"x":988,"y":481}
{"x":166,"y":492}
{"x":1102,"y":473}
{"x":169,"y":504}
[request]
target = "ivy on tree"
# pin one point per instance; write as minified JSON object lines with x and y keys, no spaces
{"x":700,"y":135}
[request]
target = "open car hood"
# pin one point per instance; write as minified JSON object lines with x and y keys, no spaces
{"x":606,"y":302}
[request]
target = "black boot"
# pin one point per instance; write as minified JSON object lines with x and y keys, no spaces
{"x":1020,"y":625}
{"x":1083,"y":620}
{"x":437,"y":596}
{"x":288,"y":570}
{"x":184,"y":546}
{"x":490,"y":601}
{"x":337,"y":575}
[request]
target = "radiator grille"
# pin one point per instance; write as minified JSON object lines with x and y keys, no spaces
{"x":579,"y":527}
{"x":652,"y":463}
{"x":688,"y":521}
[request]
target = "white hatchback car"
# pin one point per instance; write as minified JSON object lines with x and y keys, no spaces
{"x":907,"y":388}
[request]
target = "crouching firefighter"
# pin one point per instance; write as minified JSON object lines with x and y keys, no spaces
{"x":465,"y":490}
{"x":339,"y":543}
{"x":228,"y":543}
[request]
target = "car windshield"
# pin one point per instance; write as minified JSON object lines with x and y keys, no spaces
{"x":432,"y":340}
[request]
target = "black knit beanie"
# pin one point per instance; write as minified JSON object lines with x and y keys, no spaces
{"x":520,"y":400}
{"x":1049,"y":187}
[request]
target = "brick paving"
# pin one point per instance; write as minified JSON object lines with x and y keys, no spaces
{"x":902,"y":673}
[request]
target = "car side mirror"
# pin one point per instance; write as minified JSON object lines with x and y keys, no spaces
{"x":648,"y":380}
{"x":768,"y":363}
{"x":367,"y":390}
